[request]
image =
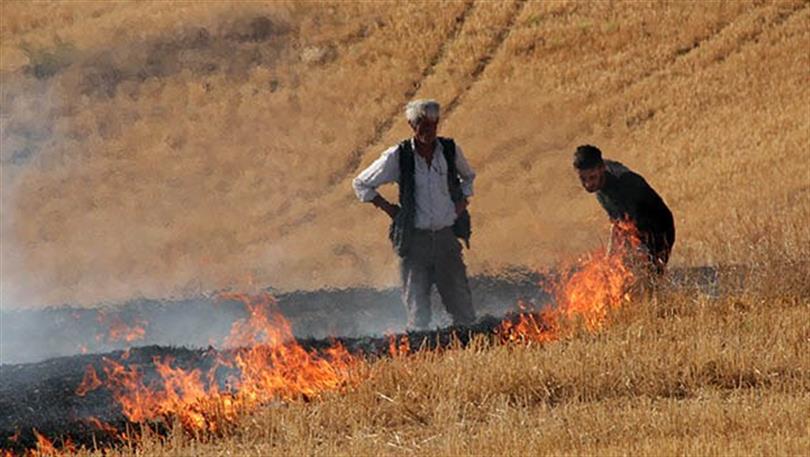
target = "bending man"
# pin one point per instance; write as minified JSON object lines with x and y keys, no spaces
{"x":625,"y":195}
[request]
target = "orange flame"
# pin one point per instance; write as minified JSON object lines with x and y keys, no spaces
{"x":539,"y":327}
{"x":101,"y":425}
{"x":271,"y":366}
{"x":44,"y":445}
{"x":586,"y":293}
{"x":13,"y":439}
{"x":398,"y":347}
{"x":89,"y":382}
{"x":119,"y":330}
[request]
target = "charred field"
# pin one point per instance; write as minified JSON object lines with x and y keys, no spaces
{"x":43,"y":397}
{"x":41,"y":394}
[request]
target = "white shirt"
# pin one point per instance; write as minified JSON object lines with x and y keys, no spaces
{"x":435,"y":209}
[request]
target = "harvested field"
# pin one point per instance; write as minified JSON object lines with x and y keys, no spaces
{"x":163,"y":164}
{"x":170,"y":152}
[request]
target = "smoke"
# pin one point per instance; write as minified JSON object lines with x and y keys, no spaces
{"x":70,"y":135}
{"x":159,"y":166}
{"x":31,"y":335}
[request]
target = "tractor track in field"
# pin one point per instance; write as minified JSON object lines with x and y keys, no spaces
{"x":488,"y":56}
{"x":383,"y":127}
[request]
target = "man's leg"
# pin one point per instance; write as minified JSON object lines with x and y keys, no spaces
{"x":416,"y":281}
{"x":451,"y":279}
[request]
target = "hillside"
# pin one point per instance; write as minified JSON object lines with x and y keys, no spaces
{"x":160,"y":150}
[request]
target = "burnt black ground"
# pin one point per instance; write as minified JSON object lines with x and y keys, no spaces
{"x":41,"y":395}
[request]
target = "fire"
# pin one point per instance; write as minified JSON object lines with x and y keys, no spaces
{"x":265,"y":363}
{"x":586,"y":293}
{"x":292,"y":371}
{"x":120,"y":330}
{"x":398,"y":346}
{"x":89,"y":382}
{"x":529,"y":326}
{"x":44,"y":446}
{"x":101,"y":425}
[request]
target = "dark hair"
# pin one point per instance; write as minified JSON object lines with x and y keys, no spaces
{"x":587,"y":157}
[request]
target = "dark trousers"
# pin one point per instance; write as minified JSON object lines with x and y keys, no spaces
{"x":435,"y":258}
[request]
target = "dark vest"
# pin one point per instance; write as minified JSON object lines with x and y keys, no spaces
{"x":403,"y":224}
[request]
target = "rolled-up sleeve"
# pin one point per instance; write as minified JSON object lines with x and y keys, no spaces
{"x":465,"y":172}
{"x":383,"y":171}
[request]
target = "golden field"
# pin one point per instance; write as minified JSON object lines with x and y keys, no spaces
{"x":159,"y":149}
{"x":681,"y":374}
{"x":173,"y":149}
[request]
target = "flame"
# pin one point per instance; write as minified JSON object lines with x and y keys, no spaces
{"x":120,"y":330}
{"x":539,"y":327}
{"x":266,"y":361}
{"x":586,"y":293}
{"x":89,"y":382}
{"x":101,"y":425}
{"x":398,"y":347}
{"x":44,"y":445}
{"x":13,"y":439}
{"x":263,"y":363}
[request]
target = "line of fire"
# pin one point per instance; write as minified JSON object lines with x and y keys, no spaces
{"x":118,"y":396}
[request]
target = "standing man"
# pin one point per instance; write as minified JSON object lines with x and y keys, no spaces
{"x":625,"y":195}
{"x":435,"y":182}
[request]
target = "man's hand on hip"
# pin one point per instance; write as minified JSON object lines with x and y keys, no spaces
{"x":461,"y":205}
{"x":386,"y":206}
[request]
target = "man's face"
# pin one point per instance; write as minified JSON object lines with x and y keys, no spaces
{"x":592,"y":179}
{"x":425,"y":130}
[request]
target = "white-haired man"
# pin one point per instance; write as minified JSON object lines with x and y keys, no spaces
{"x":435,"y":182}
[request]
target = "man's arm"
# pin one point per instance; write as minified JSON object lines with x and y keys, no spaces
{"x":467,"y":175}
{"x":388,"y":207}
{"x":384,"y":170}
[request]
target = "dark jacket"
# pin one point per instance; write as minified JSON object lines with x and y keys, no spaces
{"x":626,"y":194}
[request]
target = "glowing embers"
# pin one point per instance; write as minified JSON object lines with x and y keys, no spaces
{"x":263,"y":363}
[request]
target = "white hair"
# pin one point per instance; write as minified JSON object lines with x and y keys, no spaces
{"x":421,"y":109}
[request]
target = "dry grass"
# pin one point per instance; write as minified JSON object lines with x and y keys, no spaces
{"x":231,"y":157}
{"x":682,"y":374}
